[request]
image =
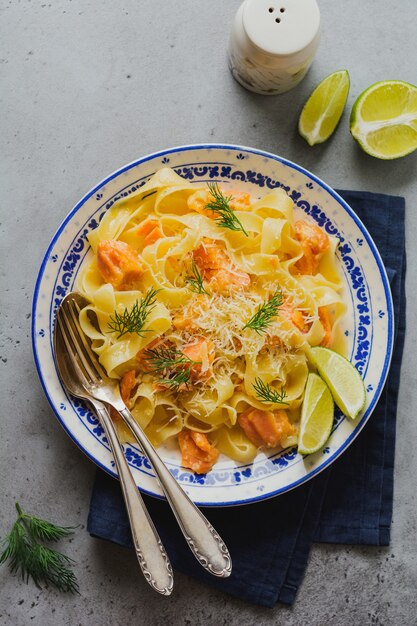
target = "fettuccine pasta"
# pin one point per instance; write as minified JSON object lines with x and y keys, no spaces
{"x":205,"y":302}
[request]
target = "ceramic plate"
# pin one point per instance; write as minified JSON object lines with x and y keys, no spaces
{"x":368,"y":324}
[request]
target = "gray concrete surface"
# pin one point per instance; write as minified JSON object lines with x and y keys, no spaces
{"x":86,"y":87}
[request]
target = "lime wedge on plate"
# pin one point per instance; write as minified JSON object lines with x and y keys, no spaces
{"x":343,"y":379}
{"x":384,"y":119}
{"x":324,"y":108}
{"x":317,"y":415}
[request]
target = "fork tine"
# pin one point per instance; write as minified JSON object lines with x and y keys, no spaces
{"x":92,"y":358}
{"x":77,"y":358}
{"x":75,"y":346}
{"x":71,"y":350}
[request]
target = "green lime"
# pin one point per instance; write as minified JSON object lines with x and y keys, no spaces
{"x":343,"y":379}
{"x":323,"y":110}
{"x":384,"y":119}
{"x":317,"y":415}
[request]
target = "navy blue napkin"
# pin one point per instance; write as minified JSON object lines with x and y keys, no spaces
{"x":349,"y":502}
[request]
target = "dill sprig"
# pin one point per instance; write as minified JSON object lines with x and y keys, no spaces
{"x":266,"y":393}
{"x":133,"y":320}
{"x":31,"y":559}
{"x":220,"y":204}
{"x":260,"y":321}
{"x":171,"y":365}
{"x":195,"y":281}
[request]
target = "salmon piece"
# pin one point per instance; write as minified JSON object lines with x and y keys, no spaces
{"x":197,"y":453}
{"x":225,"y":280}
{"x":146,"y":226}
{"x":202,"y":351}
{"x":119,"y":264}
{"x":217,"y":269}
{"x":295,"y":316}
{"x":265,"y":428}
{"x":210,"y":255}
{"x":308,"y":264}
{"x":127,"y":384}
{"x":239,"y":201}
{"x":150,"y":231}
{"x":314,"y":243}
{"x":153,"y":236}
{"x":198,"y":202}
{"x":325,"y":319}
{"x":316,"y":238}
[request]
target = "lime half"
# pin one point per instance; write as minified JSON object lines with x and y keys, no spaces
{"x":384,"y":119}
{"x":324,"y":108}
{"x":316,"y":416}
{"x":343,"y":379}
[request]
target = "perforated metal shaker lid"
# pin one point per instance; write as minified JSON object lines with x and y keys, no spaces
{"x":282,"y":28}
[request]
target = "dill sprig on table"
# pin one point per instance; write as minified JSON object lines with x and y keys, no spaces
{"x":221,"y":205}
{"x":260,"y":321}
{"x":266,"y":393}
{"x":31,"y":559}
{"x":195,"y":281}
{"x":171,"y":365}
{"x":133,"y":320}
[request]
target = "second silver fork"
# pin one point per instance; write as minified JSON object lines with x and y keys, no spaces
{"x":205,"y":543}
{"x":150,"y":552}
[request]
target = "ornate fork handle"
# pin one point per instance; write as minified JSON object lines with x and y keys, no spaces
{"x":153,"y":559}
{"x":205,"y":543}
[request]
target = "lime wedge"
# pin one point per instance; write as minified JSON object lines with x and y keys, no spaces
{"x":317,"y":415}
{"x":384,"y":119}
{"x":324,"y":108}
{"x":343,"y":379}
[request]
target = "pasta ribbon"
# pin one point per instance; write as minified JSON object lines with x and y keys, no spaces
{"x":196,"y":284}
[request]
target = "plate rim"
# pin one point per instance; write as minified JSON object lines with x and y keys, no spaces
{"x":269,"y":155}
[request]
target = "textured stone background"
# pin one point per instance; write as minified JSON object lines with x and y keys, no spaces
{"x":86,"y":87}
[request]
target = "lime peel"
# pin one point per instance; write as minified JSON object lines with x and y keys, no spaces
{"x":384,"y":119}
{"x":317,"y":414}
{"x":343,"y":379}
{"x":324,"y":107}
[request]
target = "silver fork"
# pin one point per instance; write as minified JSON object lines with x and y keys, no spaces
{"x":205,"y":543}
{"x":150,"y":552}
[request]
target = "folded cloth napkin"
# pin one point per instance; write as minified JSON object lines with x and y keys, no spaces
{"x":349,"y":502}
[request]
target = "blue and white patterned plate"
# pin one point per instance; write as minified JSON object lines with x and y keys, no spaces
{"x":368,"y":325}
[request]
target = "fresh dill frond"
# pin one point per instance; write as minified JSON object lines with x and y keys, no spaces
{"x":45,"y":531}
{"x":31,"y":559}
{"x":266,"y":393}
{"x":133,"y":320}
{"x":220,"y":204}
{"x":177,"y":379}
{"x":165,"y":357}
{"x":195,"y":281}
{"x":260,"y":321}
{"x":171,"y":365}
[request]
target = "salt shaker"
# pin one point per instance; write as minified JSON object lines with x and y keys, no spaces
{"x":273,"y":43}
